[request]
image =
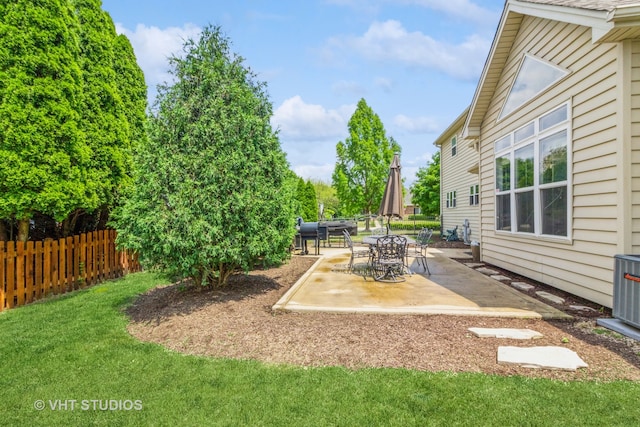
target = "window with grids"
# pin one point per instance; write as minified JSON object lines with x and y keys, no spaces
{"x":532,"y":172}
{"x":451,"y":199}
{"x":474,"y":195}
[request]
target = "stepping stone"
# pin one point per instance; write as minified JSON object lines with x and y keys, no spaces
{"x":518,"y":334}
{"x":486,"y":271}
{"x":550,"y":297}
{"x":474,"y":264}
{"x":523,"y":286}
{"x":582,"y":308}
{"x":500,"y":277}
{"x":541,"y":358}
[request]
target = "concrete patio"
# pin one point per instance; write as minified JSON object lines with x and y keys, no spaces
{"x":452,"y":288}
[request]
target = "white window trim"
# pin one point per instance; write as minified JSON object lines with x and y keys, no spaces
{"x":454,"y":146}
{"x":502,"y":115}
{"x":451,"y":200}
{"x":474,"y":195}
{"x":537,"y":186}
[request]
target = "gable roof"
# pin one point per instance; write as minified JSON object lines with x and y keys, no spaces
{"x":607,"y":5}
{"x":610,"y":21}
{"x":452,"y":129}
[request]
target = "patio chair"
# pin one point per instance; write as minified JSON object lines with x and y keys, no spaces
{"x":420,"y":248}
{"x":389,"y":263}
{"x":355,"y":253}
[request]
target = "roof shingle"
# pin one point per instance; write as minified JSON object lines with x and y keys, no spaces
{"x":606,"y":5}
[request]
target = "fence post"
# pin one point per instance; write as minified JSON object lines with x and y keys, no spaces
{"x":29,"y":279}
{"x":10,"y":282}
{"x":32,"y":270}
{"x":38,"y":282}
{"x":2,"y":275}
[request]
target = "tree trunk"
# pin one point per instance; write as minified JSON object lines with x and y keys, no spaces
{"x":4,"y":235}
{"x":69,"y":223}
{"x":103,"y":218}
{"x":23,"y":230}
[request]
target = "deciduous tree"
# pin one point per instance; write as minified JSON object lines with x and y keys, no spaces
{"x":362,"y":164}
{"x":326,"y":195}
{"x":426,"y":189}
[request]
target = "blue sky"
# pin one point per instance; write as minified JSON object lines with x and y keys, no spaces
{"x":415,"y":62}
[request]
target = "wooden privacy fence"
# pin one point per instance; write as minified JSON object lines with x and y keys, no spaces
{"x":32,"y":270}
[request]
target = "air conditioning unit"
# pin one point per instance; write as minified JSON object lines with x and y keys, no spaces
{"x":626,"y":289}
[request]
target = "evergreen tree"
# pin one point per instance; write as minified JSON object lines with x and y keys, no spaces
{"x":133,"y":92}
{"x":213,"y":190}
{"x":312,"y":201}
{"x":44,"y":152}
{"x":104,"y":118}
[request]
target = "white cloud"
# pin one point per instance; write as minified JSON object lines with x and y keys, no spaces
{"x":153,"y":46}
{"x":384,"y":83}
{"x":390,"y":42}
{"x":415,"y":125}
{"x":321,"y":172}
{"x":299,"y":121}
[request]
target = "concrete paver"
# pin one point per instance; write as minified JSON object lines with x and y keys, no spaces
{"x":522,"y":286}
{"x":487,"y":271}
{"x":518,"y":334}
{"x":541,"y":357}
{"x":550,"y":297}
{"x":452,"y":288}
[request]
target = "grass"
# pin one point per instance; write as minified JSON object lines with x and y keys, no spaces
{"x":75,"y":347}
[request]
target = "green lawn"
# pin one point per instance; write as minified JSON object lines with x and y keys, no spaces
{"x":76,"y":347}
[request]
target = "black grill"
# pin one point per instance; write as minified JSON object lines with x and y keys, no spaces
{"x":335,"y":229}
{"x":310,"y":231}
{"x":323,"y":230}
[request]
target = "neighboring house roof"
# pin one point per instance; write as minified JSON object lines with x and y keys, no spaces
{"x":610,"y":21}
{"x":407,"y":198}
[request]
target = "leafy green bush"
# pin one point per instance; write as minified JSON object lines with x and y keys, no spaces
{"x":410,"y":225}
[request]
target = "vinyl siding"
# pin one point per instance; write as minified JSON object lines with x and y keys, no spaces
{"x":634,"y":130}
{"x":455,"y":176}
{"x":581,"y":264}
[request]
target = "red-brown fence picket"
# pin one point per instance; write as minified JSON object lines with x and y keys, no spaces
{"x":32,"y":270}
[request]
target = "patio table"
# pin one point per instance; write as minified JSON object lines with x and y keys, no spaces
{"x":372,"y":241}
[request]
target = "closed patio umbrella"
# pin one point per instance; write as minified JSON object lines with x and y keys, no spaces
{"x":391,"y":204}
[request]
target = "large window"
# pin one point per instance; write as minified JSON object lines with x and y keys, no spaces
{"x":532,"y":176}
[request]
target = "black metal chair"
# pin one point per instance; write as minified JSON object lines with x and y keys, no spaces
{"x":355,"y":253}
{"x":420,"y":248}
{"x":389,"y":263}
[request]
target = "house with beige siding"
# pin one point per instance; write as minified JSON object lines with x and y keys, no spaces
{"x":459,"y":183}
{"x":556,"y":120}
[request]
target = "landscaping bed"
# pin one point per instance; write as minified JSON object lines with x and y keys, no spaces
{"x":237,"y":322}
